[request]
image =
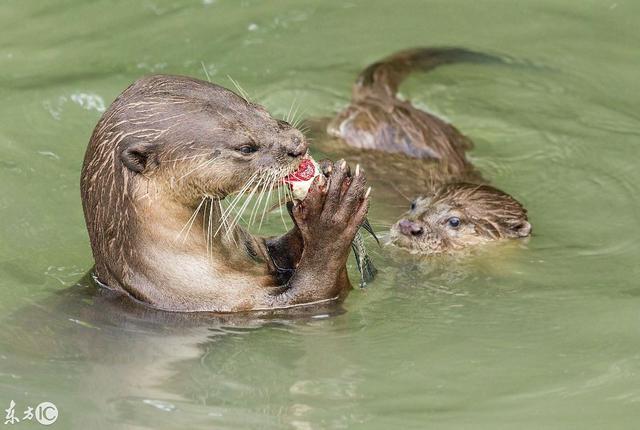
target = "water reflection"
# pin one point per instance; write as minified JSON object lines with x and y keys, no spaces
{"x":130,"y":359}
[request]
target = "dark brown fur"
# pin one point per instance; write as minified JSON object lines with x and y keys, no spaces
{"x":163,"y":155}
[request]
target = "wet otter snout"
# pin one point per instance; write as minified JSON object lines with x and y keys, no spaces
{"x":418,"y":236}
{"x":296,"y":146}
{"x":410,"y":228}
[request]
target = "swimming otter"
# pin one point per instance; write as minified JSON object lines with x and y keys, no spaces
{"x":377,"y":119}
{"x":460,"y":215}
{"x":159,"y":162}
{"x":428,"y":156}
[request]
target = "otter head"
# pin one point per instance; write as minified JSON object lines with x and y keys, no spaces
{"x":198,"y":138}
{"x":178,"y":140}
{"x":459,"y":216}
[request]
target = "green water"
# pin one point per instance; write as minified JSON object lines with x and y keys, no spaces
{"x":543,"y":335}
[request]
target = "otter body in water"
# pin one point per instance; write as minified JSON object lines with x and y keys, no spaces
{"x":159,"y":162}
{"x":416,"y":152}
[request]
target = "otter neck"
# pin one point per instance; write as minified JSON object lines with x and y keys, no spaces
{"x":198,"y":228}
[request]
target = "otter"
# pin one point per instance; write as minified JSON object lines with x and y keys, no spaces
{"x":161,"y":159}
{"x":457,"y":216}
{"x":416,"y":152}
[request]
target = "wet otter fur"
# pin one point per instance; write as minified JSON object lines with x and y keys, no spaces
{"x":430,"y":155}
{"x":458,"y":216}
{"x":377,"y":119}
{"x":159,"y":162}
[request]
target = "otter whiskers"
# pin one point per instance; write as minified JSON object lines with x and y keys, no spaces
{"x":247,"y":201}
{"x":205,"y":163}
{"x":275,"y":182}
{"x":294,"y":116}
{"x":225,"y":225}
{"x":257,"y":190}
{"x":188,"y":157}
{"x":190,"y":221}
{"x":241,"y":90}
{"x":224,"y":217}
{"x":297,"y":119}
{"x":260,"y":186}
{"x":270,"y":180}
{"x":204,"y":69}
{"x":280,"y":207}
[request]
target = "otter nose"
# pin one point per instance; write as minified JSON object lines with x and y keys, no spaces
{"x":410,"y":228}
{"x":297,"y":147}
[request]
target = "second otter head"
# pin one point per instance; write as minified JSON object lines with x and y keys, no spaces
{"x":199,"y":138}
{"x":460,"y":216}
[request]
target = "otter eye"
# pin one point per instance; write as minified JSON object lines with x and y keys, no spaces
{"x":247,"y":149}
{"x":453,"y":222}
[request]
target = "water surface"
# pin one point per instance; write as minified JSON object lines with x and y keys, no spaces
{"x":542,"y":335}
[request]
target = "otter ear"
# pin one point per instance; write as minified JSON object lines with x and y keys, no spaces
{"x":523,"y":229}
{"x":138,"y":156}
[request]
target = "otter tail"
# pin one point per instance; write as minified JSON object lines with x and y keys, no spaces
{"x":387,"y":74}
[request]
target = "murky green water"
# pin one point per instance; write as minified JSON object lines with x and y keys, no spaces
{"x":540,"y":336}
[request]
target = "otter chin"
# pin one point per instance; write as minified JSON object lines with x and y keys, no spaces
{"x":458,"y":217}
{"x":161,"y":160}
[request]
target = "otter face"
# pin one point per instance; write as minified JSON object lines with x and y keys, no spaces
{"x":459,"y":216}
{"x":200,"y":139}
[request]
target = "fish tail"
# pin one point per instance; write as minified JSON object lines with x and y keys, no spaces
{"x":364,"y":263}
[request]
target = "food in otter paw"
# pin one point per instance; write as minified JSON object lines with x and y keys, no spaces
{"x":299,"y":182}
{"x":154,"y":210}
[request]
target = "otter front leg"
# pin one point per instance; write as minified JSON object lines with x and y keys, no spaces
{"x":327,"y":220}
{"x":284,"y":252}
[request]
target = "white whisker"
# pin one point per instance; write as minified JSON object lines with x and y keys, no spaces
{"x":205,"y":163}
{"x":240,"y":90}
{"x":190,"y":222}
{"x":280,"y":207}
{"x":173,"y":160}
{"x":244,"y":205}
{"x":295,"y":117}
{"x":274,"y":181}
{"x":293,"y":102}
{"x":230,"y":208}
{"x":206,"y":73}
{"x":208,"y":235}
{"x":263,"y":180}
